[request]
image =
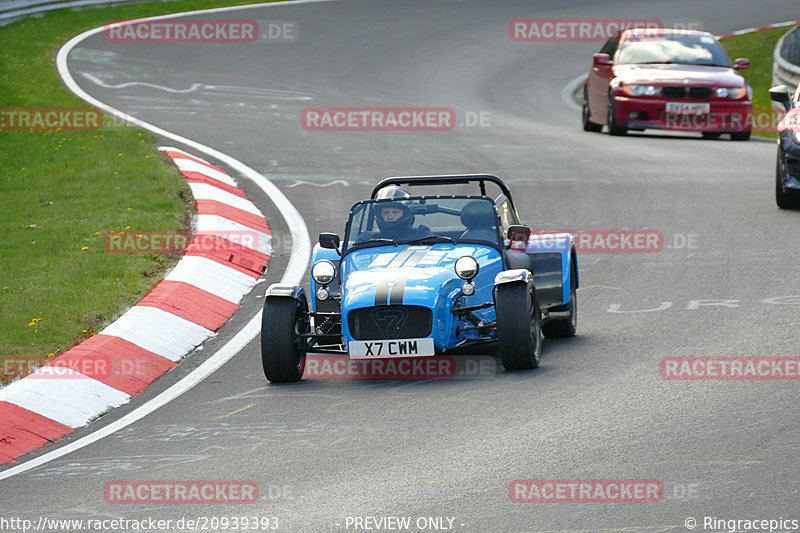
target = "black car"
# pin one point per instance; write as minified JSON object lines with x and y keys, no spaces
{"x":787,"y":174}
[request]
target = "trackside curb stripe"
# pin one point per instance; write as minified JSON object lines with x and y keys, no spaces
{"x":293,"y":273}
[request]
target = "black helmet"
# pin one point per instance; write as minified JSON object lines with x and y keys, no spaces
{"x":394,"y":228}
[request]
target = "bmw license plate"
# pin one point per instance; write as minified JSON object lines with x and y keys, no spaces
{"x":390,"y":348}
{"x":686,"y":108}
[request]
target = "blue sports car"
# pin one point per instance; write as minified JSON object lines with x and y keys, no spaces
{"x":417,"y":275}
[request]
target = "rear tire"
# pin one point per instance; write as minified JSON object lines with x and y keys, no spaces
{"x":568,"y":326}
{"x":588,"y":125}
{"x":282,"y":355}
{"x":613,"y":127}
{"x":519,"y":333}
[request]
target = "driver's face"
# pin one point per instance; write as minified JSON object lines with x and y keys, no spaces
{"x":390,"y":214}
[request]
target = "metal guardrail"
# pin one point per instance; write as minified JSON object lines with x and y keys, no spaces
{"x":17,"y":9}
{"x":786,"y":60}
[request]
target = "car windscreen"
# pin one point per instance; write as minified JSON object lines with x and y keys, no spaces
{"x":422,"y":220}
{"x":672,"y":48}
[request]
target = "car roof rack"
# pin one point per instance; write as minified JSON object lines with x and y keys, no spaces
{"x":447,"y":179}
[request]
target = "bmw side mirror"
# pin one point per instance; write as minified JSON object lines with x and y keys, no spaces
{"x":780,"y":94}
{"x":601,"y":60}
{"x":741,"y":63}
{"x":330,"y":241}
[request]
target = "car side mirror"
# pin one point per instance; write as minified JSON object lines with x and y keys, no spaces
{"x":330,"y":241}
{"x":780,"y":94}
{"x":601,"y":60}
{"x":741,"y":63}
{"x":518,"y":237}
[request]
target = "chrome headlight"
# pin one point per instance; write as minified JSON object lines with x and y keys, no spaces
{"x":323,"y":272}
{"x":641,"y":90}
{"x":466,"y":267}
{"x":732,"y":93}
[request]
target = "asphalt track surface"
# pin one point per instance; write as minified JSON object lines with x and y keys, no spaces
{"x":597,"y":408}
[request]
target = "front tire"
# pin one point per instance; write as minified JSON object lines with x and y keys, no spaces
{"x":568,"y":326}
{"x":588,"y":125}
{"x":613,"y":127}
{"x":519,"y":333}
{"x":784,"y":199}
{"x":282,"y":353}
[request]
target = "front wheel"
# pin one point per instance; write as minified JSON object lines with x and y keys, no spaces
{"x":588,"y":125}
{"x":519,"y":326}
{"x":283,"y":353}
{"x":613,"y":127}
{"x":784,"y":199}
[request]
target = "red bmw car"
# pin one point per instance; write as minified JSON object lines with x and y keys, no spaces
{"x":667,"y":79}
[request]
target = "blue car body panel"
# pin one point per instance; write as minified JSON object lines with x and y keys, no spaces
{"x":418,"y":275}
{"x":547,"y":250}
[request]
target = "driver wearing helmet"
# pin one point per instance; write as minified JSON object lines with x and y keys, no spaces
{"x":395,"y":220}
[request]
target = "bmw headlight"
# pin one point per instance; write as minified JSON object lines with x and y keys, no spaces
{"x":641,"y":90}
{"x":466,"y":267}
{"x":323,"y":272}
{"x":731,"y":93}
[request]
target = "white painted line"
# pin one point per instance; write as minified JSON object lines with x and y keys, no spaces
{"x":158,"y":331}
{"x":213,"y":277}
{"x":233,"y":231}
{"x":204,"y":191}
{"x":295,"y":269}
{"x":187,"y":165}
{"x":73,"y":400}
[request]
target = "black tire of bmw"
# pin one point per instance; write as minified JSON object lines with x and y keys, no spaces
{"x":613,"y":128}
{"x":588,"y":125}
{"x":568,"y":326}
{"x":282,"y":321}
{"x":519,"y":334}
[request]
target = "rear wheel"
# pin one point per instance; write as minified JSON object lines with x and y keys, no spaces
{"x":519,"y":326}
{"x":283,"y":354}
{"x":588,"y":125}
{"x":613,"y":127}
{"x":565,"y":327}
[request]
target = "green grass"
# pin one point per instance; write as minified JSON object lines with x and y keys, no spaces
{"x":63,"y":190}
{"x":758,"y":47}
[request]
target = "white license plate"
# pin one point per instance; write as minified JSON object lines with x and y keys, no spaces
{"x":681,"y":108}
{"x":390,"y":348}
